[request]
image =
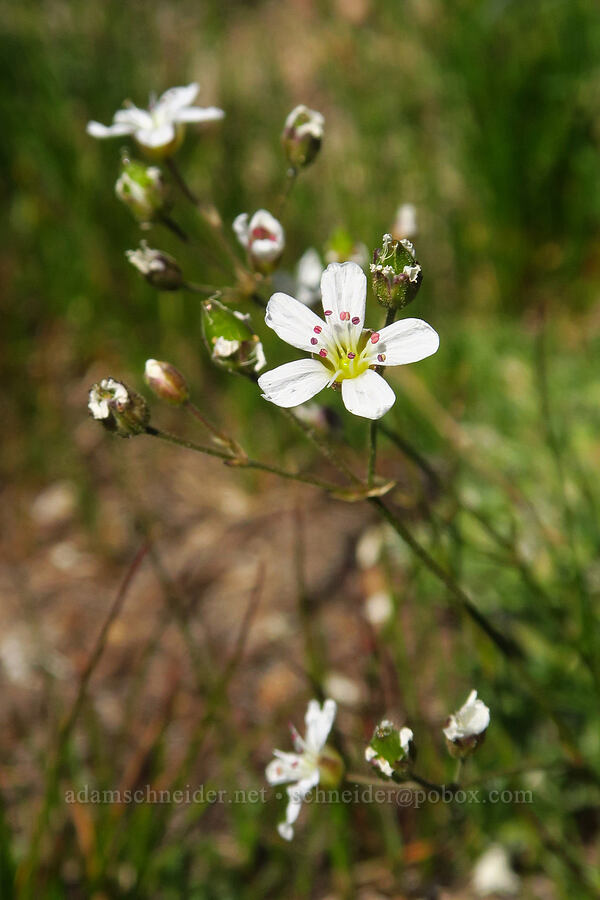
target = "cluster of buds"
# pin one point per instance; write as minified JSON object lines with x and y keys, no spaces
{"x":142,"y":188}
{"x":166,"y":382}
{"x":229,"y":338}
{"x":465,"y":729}
{"x":302,"y":136}
{"x":263,"y":238}
{"x":391,"y":750}
{"x":159,"y":269}
{"x":395,"y":273}
{"x":118,"y":408}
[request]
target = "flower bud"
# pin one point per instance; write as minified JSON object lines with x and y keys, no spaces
{"x":395,"y":273}
{"x":230,"y":339}
{"x":166,"y":381}
{"x":119,"y":408}
{"x":465,"y":730}
{"x":302,"y":136}
{"x":263,"y":237}
{"x":331,"y":768}
{"x":159,"y":269}
{"x":390,"y":750}
{"x":142,"y":189}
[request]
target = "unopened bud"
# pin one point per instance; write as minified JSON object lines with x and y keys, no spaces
{"x":166,"y":381}
{"x":118,"y":408}
{"x":159,"y":269}
{"x":302,"y":136}
{"x":395,"y":273}
{"x":263,"y":237}
{"x":143,"y":189}
{"x":390,"y":750}
{"x":230,"y":339}
{"x":465,"y":730}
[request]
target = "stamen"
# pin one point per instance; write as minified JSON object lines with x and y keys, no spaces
{"x":355,"y":320}
{"x":351,"y":355}
{"x":322,"y":352}
{"x":381,"y":357}
{"x":317,"y":329}
{"x":314,"y":341}
{"x":375,"y":337}
{"x":327,"y":312}
{"x":345,"y":316}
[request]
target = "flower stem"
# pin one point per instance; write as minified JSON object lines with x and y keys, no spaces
{"x":211,"y":216}
{"x":322,"y":445}
{"x":241,"y":462}
{"x":507,"y":645}
{"x":290,"y":181}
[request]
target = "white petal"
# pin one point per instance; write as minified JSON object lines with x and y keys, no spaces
{"x":266,"y":250}
{"x":294,"y":383}
{"x":369,"y":395}
{"x":293,"y":322}
{"x":297,"y":793}
{"x":286,"y":831}
{"x":97,"y":130}
{"x":155,"y":137}
{"x":199,"y":114}
{"x":406,"y":341}
{"x":344,"y":290}
{"x":285,"y":767}
{"x":175,"y":99}
{"x":132,"y":115}
{"x":318,"y":724}
{"x":240,"y":226}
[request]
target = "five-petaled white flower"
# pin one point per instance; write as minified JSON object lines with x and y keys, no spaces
{"x":262,"y":236}
{"x":345,"y":353}
{"x":100,"y":395}
{"x":470,"y":721}
{"x":158,"y":130}
{"x":302,"y":767}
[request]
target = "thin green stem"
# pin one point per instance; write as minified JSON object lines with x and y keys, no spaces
{"x":290,"y":181}
{"x":207,"y":289}
{"x":322,"y":445}
{"x":241,"y":462}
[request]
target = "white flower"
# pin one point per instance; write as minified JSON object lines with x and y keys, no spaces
{"x":405,"y":224}
{"x":302,"y":767}
{"x":158,"y":268}
{"x":159,"y":129}
{"x":471,"y":720}
{"x":99,"y":397}
{"x":398,"y":740}
{"x":344,"y":352}
{"x":308,"y":277}
{"x":492,"y":873}
{"x":303,"y":122}
{"x":262,"y":236}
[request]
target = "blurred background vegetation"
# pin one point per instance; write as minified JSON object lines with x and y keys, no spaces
{"x":485,"y":115}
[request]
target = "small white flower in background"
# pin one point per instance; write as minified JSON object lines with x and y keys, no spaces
{"x":263,"y":238}
{"x":302,"y":136}
{"x":344,"y":352}
{"x":100,"y":394}
{"x":390,"y":749}
{"x":465,"y":729}
{"x":118,"y":408}
{"x":308,"y":277}
{"x":158,"y":130}
{"x":310,"y":764}
{"x":159,"y":269}
{"x":492,"y":873}
{"x":405,"y":223}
